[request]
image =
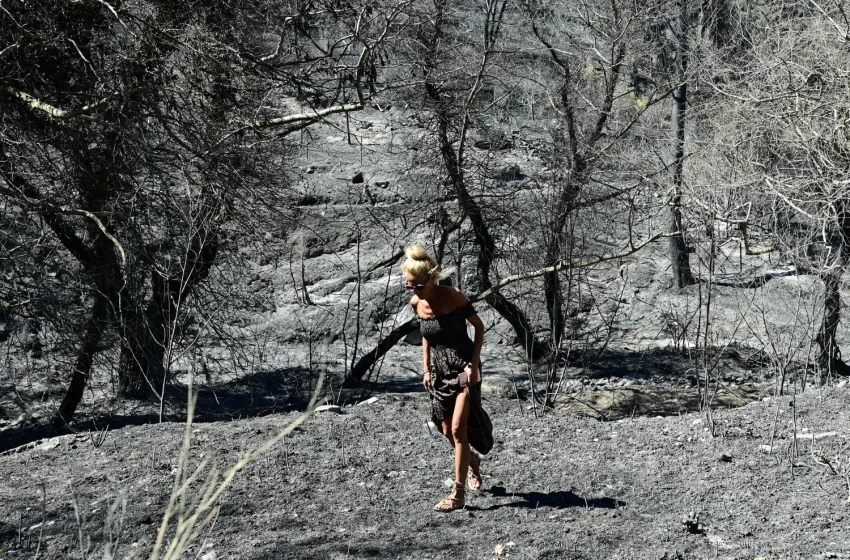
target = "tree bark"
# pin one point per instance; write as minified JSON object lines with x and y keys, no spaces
{"x":85,"y":357}
{"x":830,"y":355}
{"x":368,"y":360}
{"x":484,"y":241}
{"x":679,"y":252}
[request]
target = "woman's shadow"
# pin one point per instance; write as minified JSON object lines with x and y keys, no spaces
{"x":559,"y":500}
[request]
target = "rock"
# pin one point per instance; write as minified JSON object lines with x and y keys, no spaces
{"x":432,"y":428}
{"x":496,"y":386}
{"x":309,"y":170}
{"x":49,"y":444}
{"x":371,"y":400}
{"x":692,"y":524}
{"x":328,"y":408}
{"x":725,"y":458}
{"x":382,"y":184}
{"x":511,"y":173}
{"x":358,"y":178}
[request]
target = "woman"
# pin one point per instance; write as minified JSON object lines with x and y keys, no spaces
{"x":452,"y":369}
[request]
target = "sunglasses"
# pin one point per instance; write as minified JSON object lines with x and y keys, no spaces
{"x":414,"y":287}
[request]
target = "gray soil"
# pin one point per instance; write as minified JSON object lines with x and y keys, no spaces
{"x":361,"y":484}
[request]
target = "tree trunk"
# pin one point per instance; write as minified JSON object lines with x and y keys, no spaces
{"x":142,"y":353}
{"x":830,"y":355}
{"x":555,"y":305}
{"x":85,"y":357}
{"x":486,"y":245}
{"x":679,"y":258}
{"x":148,"y":334}
{"x":368,"y":360}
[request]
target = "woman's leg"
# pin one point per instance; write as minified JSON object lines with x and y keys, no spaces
{"x":446,"y":427}
{"x":460,"y":437}
{"x":455,"y":431}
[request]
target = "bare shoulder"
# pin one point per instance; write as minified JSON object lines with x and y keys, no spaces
{"x":459,"y":298}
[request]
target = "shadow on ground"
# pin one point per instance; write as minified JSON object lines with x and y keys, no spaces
{"x":261,"y":394}
{"x":559,"y":499}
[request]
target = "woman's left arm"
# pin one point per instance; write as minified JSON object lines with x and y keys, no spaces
{"x":478,"y":324}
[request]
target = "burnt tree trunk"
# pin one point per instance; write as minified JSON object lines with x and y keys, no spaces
{"x":829,"y":358}
{"x":486,"y":245}
{"x":367,"y":362}
{"x":92,"y":336}
{"x":679,"y":252}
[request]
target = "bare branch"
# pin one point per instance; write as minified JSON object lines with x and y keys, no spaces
{"x":56,"y":112}
{"x":48,"y":207}
{"x":6,"y":50}
{"x":108,"y":7}
{"x":845,"y":33}
{"x":563,"y":265}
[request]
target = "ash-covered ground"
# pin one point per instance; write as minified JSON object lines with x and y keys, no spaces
{"x":772,"y":482}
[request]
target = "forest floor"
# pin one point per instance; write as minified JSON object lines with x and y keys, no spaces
{"x":766,"y":480}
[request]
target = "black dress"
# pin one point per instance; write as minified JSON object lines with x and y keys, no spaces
{"x":451,"y":349}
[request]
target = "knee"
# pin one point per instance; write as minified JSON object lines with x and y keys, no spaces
{"x":459,"y":432}
{"x":446,"y":428}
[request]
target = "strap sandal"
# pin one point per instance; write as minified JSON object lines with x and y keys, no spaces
{"x":474,"y":480}
{"x":455,"y":500}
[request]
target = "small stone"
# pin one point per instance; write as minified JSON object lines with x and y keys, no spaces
{"x":358,"y":178}
{"x":328,"y":408}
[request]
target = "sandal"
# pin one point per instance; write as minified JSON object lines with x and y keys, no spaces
{"x":474,"y":479}
{"x":456,"y":500}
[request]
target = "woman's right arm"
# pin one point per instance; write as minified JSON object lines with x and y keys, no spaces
{"x":426,"y":350}
{"x":426,"y":356}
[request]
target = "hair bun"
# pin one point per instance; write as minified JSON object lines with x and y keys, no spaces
{"x":419,"y":262}
{"x":417,"y":253}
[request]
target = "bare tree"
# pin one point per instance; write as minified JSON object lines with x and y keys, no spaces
{"x":132,"y":134}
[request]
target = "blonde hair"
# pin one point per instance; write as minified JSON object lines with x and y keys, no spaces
{"x":418,"y":262}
